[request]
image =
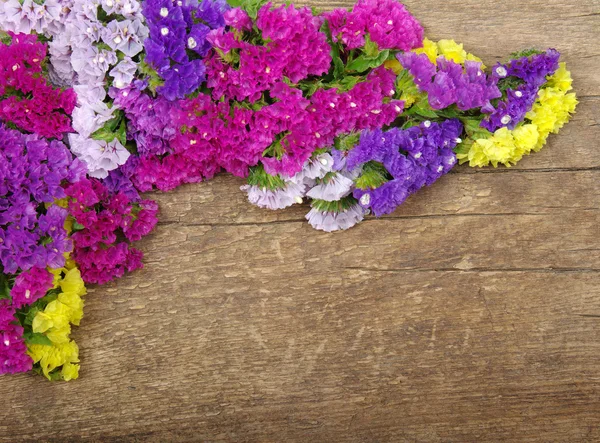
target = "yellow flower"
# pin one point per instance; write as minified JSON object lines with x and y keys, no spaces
{"x":70,"y":371}
{"x":72,"y":282}
{"x":554,"y":106}
{"x":503,"y":147}
{"x":449,"y":49}
{"x":394,"y":65}
{"x":452,"y":51}
{"x":52,"y":357}
{"x":430,"y":48}
{"x":55,"y":322}
{"x":561,"y":79}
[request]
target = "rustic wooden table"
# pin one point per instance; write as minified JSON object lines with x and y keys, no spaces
{"x":470,"y":314}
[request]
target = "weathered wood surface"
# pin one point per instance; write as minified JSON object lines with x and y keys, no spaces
{"x":471,"y":314}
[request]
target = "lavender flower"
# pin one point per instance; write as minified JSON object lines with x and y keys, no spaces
{"x":330,"y":221}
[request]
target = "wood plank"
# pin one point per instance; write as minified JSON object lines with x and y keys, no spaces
{"x":341,"y":355}
{"x":220,"y":202}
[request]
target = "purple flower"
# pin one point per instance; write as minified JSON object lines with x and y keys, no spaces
{"x":532,"y":71}
{"x":329,"y":221}
{"x":429,"y":155}
{"x":177,"y":31}
{"x":448,"y":83}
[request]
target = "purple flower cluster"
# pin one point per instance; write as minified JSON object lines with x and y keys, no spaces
{"x":387,"y":22}
{"x":178,"y":41}
{"x":103,"y":220}
{"x":447,"y":83}
{"x":532,"y":71}
{"x":294,"y":48}
{"x":32,"y":174}
{"x":414,"y":157}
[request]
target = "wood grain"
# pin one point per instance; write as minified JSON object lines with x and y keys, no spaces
{"x":470,"y":314}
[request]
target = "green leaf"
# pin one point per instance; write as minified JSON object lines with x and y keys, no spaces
{"x":4,"y":287}
{"x":338,"y":64}
{"x":371,"y":49}
{"x":122,"y":132}
{"x":78,"y":227}
{"x":251,"y":6}
{"x":424,"y":111}
{"x":350,"y":82}
{"x":363,"y":62}
{"x":259,"y":177}
{"x":114,"y":128}
{"x":337,"y":206}
{"x":35,"y":338}
{"x":347,"y":142}
{"x":373,"y":176}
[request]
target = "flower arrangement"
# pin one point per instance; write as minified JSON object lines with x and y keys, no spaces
{"x":351,"y":111}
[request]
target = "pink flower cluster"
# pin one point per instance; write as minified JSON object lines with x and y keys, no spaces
{"x":13,"y":350}
{"x":106,"y":223}
{"x":26,"y":98}
{"x":29,"y":287}
{"x":205,"y":136}
{"x":294,"y":48}
{"x":387,"y":22}
{"x":295,"y":127}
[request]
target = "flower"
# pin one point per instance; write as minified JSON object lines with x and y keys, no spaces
{"x":449,"y":83}
{"x":387,"y":22}
{"x":176,"y":31}
{"x":330,"y":221}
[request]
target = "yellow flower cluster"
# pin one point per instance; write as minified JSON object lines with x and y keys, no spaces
{"x":554,"y":105}
{"x":552,"y":109}
{"x":55,"y":322}
{"x":449,"y":49}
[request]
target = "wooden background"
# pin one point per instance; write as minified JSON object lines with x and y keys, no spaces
{"x":471,"y":314}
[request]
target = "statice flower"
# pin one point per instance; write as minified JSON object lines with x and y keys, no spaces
{"x":30,"y":286}
{"x":150,"y":121}
{"x":429,"y":155}
{"x":295,"y":48}
{"x":26,"y":99}
{"x":32,"y":174}
{"x":13,"y":350}
{"x":178,"y":42}
{"x":311,"y":124}
{"x":278,"y":198}
{"x":449,"y":83}
{"x":330,"y":221}
{"x":28,"y":16}
{"x":531,"y":72}
{"x":387,"y":22}
{"x":104,"y":219}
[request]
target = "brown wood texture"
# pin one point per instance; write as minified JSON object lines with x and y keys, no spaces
{"x":470,"y":314}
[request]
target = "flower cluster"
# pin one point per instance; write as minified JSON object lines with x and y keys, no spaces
{"x":32,"y":174}
{"x":552,"y":108}
{"x":386,"y":22}
{"x":449,"y":83}
{"x":412,"y":158}
{"x":523,"y":77}
{"x":26,"y":99}
{"x":101,"y":46}
{"x":58,"y":357}
{"x":178,"y":42}
{"x":101,"y":220}
{"x":295,"y":49}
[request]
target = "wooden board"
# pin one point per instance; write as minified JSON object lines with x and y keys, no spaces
{"x":470,"y":314}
